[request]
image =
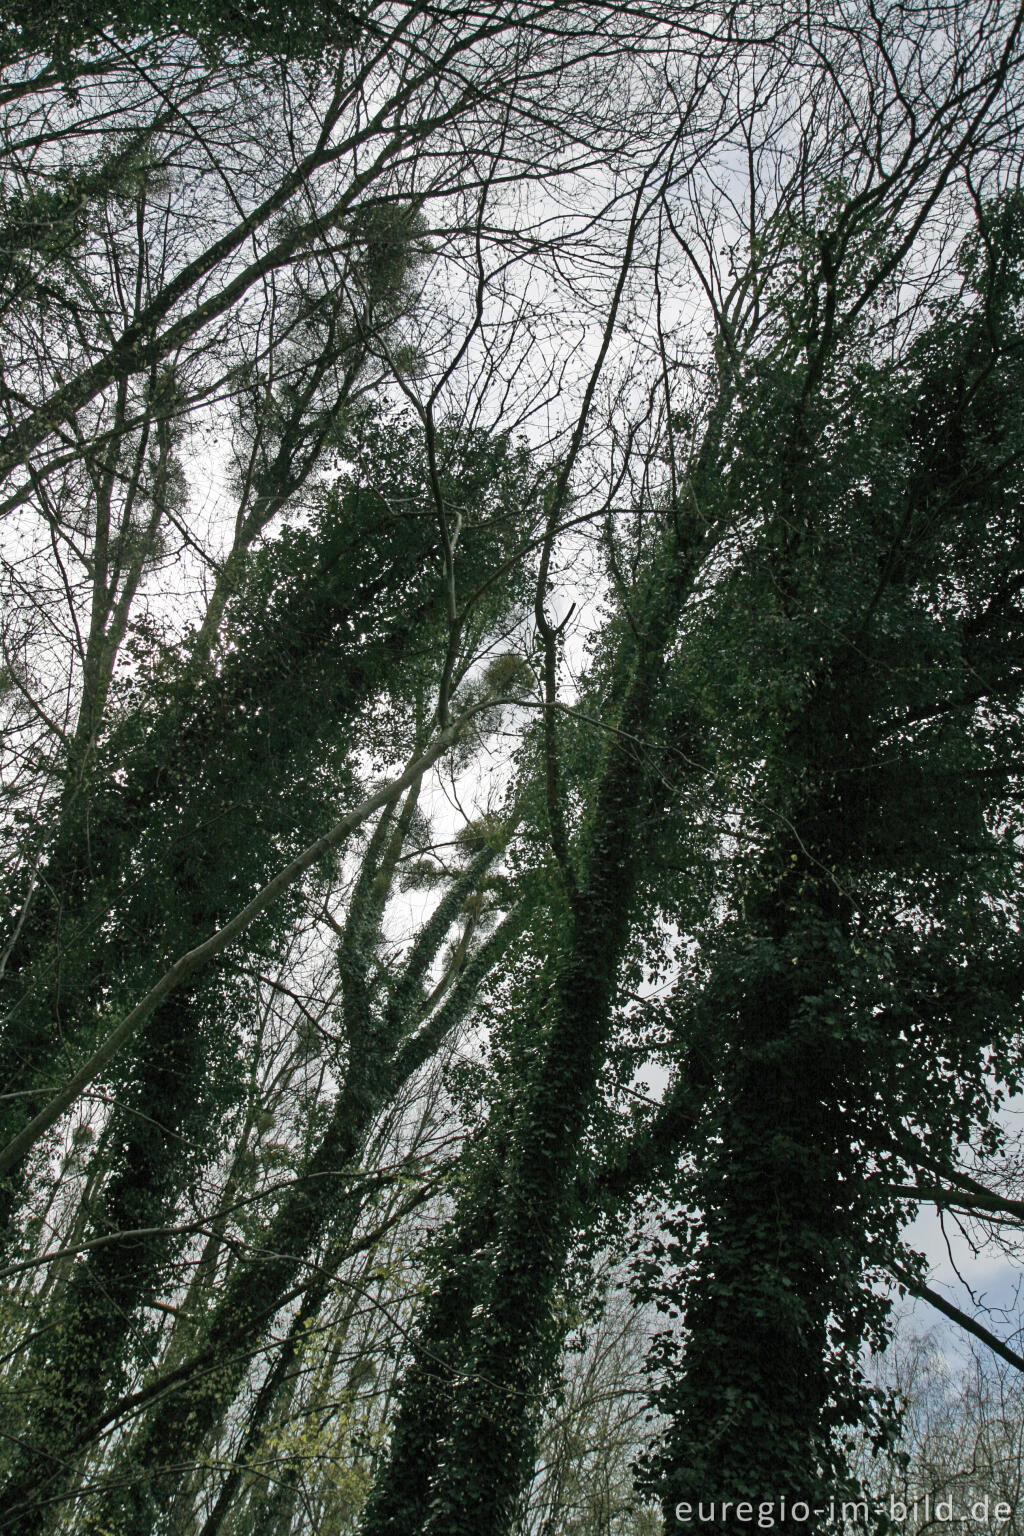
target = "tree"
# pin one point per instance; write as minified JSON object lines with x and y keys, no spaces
{"x":845,"y":1008}
{"x":282,"y":648}
{"x":753,"y":830}
{"x":960,"y":1436}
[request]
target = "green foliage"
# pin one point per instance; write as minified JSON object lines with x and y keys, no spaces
{"x":208,"y":779}
{"x":44,"y":228}
{"x":62,"y":33}
{"x":335,"y":1216}
{"x":862,"y":976}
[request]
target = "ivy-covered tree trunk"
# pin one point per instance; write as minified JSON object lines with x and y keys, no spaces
{"x":862,"y":951}
{"x":775,"y":1288}
{"x":297,"y":686}
{"x":327,"y":1199}
{"x":463,"y":1439}
{"x":74,"y":1371}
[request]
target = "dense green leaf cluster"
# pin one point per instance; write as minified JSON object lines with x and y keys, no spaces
{"x":863,"y":976}
{"x":315,"y":30}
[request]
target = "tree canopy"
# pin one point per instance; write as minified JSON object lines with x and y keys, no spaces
{"x":512,"y":675}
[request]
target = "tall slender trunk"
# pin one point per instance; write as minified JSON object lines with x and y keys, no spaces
{"x":462,"y":1442}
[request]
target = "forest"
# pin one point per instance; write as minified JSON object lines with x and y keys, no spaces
{"x":512,"y":767}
